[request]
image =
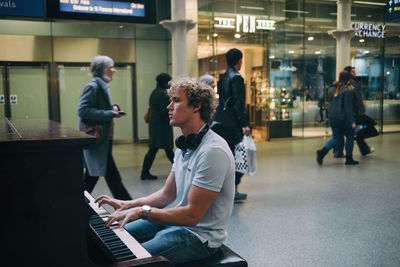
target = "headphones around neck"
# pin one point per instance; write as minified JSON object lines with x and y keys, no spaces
{"x":192,"y":141}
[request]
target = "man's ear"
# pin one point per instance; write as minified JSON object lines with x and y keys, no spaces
{"x":197,"y":108}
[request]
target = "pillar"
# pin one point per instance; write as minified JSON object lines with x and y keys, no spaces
{"x":178,"y":26}
{"x":343,"y":35}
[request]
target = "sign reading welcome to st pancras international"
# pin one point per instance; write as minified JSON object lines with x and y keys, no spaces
{"x":103,"y":7}
{"x":22,"y":8}
{"x":368,"y":29}
{"x":393,"y":10}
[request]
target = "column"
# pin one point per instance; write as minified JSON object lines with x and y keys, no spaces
{"x":343,"y":35}
{"x":178,"y":27}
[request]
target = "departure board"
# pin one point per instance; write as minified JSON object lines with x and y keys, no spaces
{"x":117,"y":8}
{"x":135,"y":11}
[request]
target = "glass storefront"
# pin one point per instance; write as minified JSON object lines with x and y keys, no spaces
{"x":290,"y":60}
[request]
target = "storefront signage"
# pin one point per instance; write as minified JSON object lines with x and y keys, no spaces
{"x":103,"y":7}
{"x":22,"y":8}
{"x":368,"y":29}
{"x":393,"y":10}
{"x":293,"y":68}
{"x":244,"y":23}
{"x":13,"y":99}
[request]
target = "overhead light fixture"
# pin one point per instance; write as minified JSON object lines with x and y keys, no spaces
{"x":215,"y":34}
{"x":291,"y":51}
{"x":208,"y":37}
{"x":207,"y":52}
{"x":366,"y":52}
{"x":222,"y":48}
{"x":334,"y":14}
{"x":295,"y":11}
{"x":388,"y":73}
{"x":317,"y":52}
{"x":271,"y":57}
{"x":237,"y":35}
{"x":369,"y":3}
{"x":310,"y":38}
{"x":252,"y":7}
{"x":361,"y":40}
{"x":121,"y":26}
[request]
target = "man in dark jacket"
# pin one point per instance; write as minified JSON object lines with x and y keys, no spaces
{"x":231,"y":120}
{"x":359,"y":109}
{"x":160,"y":131}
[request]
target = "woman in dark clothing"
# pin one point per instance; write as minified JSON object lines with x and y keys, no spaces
{"x":341,"y":118}
{"x":160,"y":131}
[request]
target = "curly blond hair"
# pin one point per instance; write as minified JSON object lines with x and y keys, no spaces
{"x":197,"y":93}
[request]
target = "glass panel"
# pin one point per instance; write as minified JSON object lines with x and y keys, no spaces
{"x":71,"y":83}
{"x":391,"y":102}
{"x":2,"y":98}
{"x":29,"y":92}
{"x":121,"y":94}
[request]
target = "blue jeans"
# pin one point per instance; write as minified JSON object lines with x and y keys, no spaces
{"x":341,"y":128}
{"x":175,"y":243}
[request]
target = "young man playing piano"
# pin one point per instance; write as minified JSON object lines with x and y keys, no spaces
{"x":201,"y":183}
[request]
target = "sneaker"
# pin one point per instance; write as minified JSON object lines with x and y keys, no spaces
{"x":372,"y":149}
{"x":240,"y":196}
{"x":148,"y":176}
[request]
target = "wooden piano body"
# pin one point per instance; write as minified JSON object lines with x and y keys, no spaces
{"x":45,"y":217}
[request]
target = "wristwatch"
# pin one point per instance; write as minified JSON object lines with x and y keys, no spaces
{"x":145,"y":209}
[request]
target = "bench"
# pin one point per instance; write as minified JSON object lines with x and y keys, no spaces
{"x":224,"y":257}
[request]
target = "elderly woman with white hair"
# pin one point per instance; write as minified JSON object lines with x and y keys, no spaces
{"x":95,"y":109}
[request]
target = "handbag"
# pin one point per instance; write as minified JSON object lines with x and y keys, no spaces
{"x":364,"y":131}
{"x":96,"y":131}
{"x":245,"y":156}
{"x":147,"y":115}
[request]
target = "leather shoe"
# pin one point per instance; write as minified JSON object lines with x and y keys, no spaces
{"x":240,"y":196}
{"x":148,"y":176}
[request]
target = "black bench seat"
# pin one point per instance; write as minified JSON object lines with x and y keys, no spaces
{"x":224,"y":257}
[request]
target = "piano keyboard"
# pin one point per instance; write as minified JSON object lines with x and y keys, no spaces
{"x":116,"y":242}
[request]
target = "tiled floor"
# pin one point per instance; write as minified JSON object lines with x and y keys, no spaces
{"x":299,"y":213}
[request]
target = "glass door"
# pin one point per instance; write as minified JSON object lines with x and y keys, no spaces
{"x":2,"y":94}
{"x":29,"y":91}
{"x":73,"y":78}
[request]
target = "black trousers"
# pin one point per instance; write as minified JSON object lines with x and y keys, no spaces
{"x":113,"y":179}
{"x":238,"y":175}
{"x":151,"y":155}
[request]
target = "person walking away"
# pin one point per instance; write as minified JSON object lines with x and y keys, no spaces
{"x":160,"y":132}
{"x":341,"y":118}
{"x":201,"y":184}
{"x":94,"y":108}
{"x":231,"y":120}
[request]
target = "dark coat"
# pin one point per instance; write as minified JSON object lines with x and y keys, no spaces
{"x":359,"y":108}
{"x":160,"y":131}
{"x":95,"y":107}
{"x":341,"y":106}
{"x":230,"y":112}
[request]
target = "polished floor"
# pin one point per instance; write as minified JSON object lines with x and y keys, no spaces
{"x":299,"y":213}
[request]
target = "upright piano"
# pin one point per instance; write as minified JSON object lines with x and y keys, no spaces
{"x":46,"y":218}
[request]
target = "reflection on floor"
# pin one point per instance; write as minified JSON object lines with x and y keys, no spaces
{"x":319,"y":130}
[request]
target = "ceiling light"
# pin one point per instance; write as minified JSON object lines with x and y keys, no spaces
{"x":207,"y":52}
{"x":388,"y":73}
{"x":310,"y":38}
{"x":215,"y":34}
{"x":222,"y":48}
{"x":237,"y":35}
{"x":271,"y":57}
{"x":361,"y":40}
{"x":369,"y":3}
{"x":291,"y":51}
{"x":366,"y":52}
{"x":317,"y":52}
{"x":295,"y":11}
{"x":252,"y":7}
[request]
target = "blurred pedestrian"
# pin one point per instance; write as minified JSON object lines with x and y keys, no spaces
{"x":95,"y":109}
{"x":207,"y":79}
{"x":341,"y":118}
{"x":231,"y":120}
{"x":160,"y":131}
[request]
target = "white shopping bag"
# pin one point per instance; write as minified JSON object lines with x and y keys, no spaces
{"x":245,"y":156}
